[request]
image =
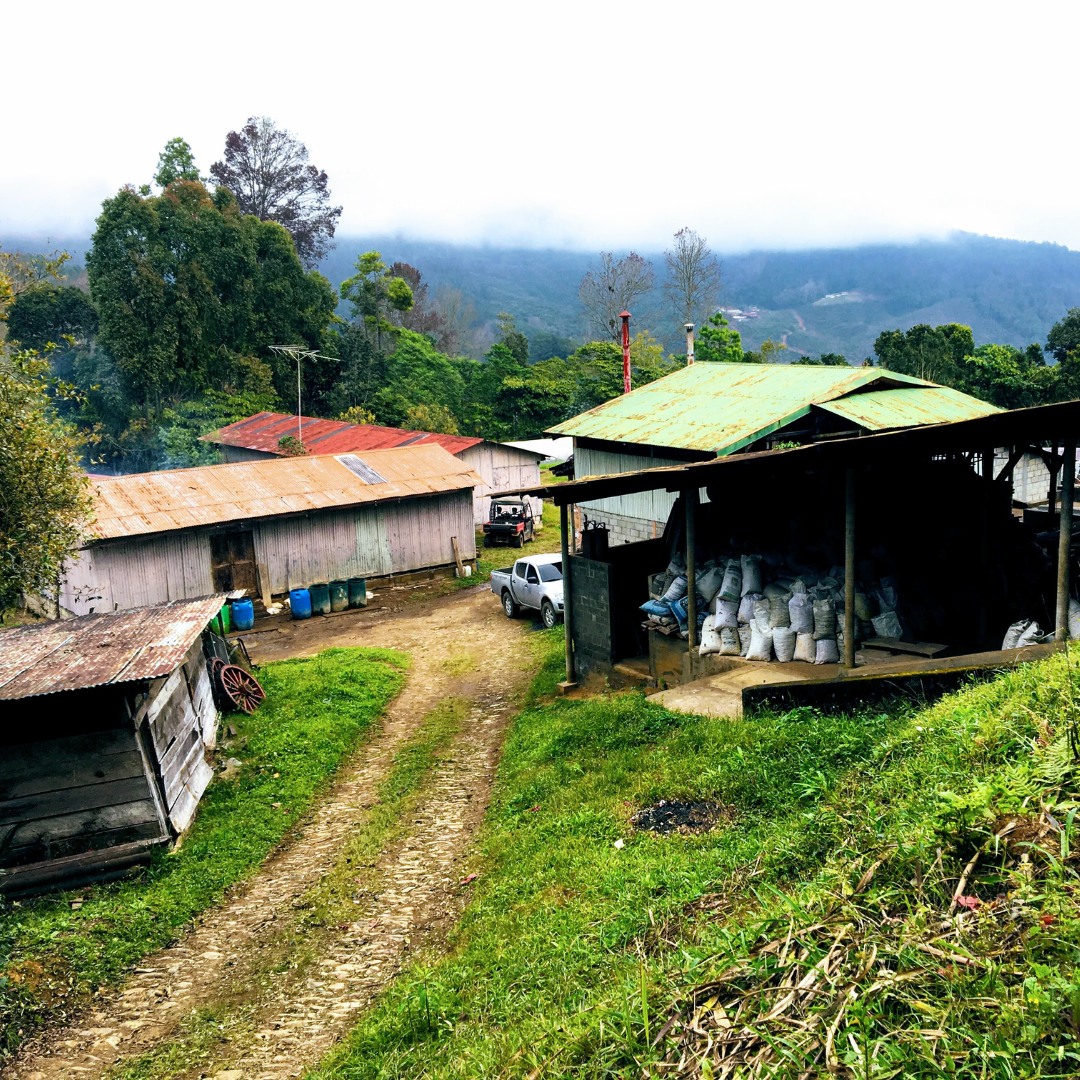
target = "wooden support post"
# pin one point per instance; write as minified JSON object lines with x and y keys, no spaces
{"x":457,"y":556}
{"x":691,"y":497}
{"x":1068,"y":479}
{"x":568,"y":609}
{"x":849,"y":570}
{"x":985,"y":491}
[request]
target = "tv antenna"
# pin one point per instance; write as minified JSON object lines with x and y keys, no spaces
{"x":300,"y":354}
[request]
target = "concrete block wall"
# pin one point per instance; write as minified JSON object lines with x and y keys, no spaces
{"x":623,"y":529}
{"x":591,"y":597}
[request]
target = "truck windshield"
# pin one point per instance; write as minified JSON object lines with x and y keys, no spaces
{"x":504,"y":511}
{"x":550,"y":571}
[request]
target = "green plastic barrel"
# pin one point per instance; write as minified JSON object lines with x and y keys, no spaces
{"x":339,"y":595}
{"x":320,"y":598}
{"x":357,"y":592}
{"x":221,"y":623}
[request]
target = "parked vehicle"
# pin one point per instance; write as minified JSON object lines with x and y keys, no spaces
{"x":535,"y":583}
{"x":510,"y":522}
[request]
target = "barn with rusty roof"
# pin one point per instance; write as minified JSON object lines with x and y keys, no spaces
{"x":500,"y":466}
{"x":107,"y":722}
{"x":270,"y":526}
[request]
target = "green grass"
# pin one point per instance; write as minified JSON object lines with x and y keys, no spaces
{"x":846,"y":835}
{"x":317,"y":710}
{"x":547,"y":540}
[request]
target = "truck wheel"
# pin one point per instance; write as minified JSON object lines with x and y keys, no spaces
{"x":547,"y":614}
{"x":520,"y":541}
{"x":509,"y":606}
{"x":487,"y":540}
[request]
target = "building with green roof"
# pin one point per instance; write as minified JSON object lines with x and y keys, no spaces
{"x":709,"y":410}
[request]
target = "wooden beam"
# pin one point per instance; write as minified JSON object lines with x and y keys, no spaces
{"x":457,"y":556}
{"x":849,"y":569}
{"x":691,"y":579}
{"x":568,"y":609}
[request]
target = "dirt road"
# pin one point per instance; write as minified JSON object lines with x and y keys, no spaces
{"x":253,"y":992}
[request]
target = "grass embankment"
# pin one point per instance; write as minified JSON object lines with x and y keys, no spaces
{"x":814,"y":930}
{"x":52,"y":956}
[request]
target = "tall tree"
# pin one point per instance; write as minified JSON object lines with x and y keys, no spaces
{"x":693,"y":277}
{"x":422,"y":317}
{"x":186,"y":287}
{"x":175,"y":162}
{"x":20,"y":274}
{"x":43,"y":492}
{"x":375,"y":293}
{"x":267,"y":169}
{"x":717,"y":342}
{"x":512,"y":337}
{"x":611,"y":288}
{"x":49,"y":314}
{"x":456,"y":317}
{"x":1064,"y":336}
{"x":934,"y":353}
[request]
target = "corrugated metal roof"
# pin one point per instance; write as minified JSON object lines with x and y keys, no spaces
{"x":93,"y":650}
{"x":886,"y":410}
{"x":263,"y":430}
{"x":182,"y":498}
{"x":722,"y":407}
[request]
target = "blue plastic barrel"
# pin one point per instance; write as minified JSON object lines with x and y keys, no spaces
{"x":300,"y":603}
{"x":243,"y":614}
{"x":320,"y":598}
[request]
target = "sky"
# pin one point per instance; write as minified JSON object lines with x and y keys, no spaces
{"x":585,"y":125}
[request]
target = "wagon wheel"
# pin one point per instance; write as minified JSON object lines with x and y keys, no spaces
{"x":241,"y":688}
{"x":216,"y":664}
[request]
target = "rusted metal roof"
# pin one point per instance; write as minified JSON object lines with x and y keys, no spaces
{"x":723,"y":407}
{"x":94,"y":650}
{"x":263,"y":431}
{"x":885,"y":410}
{"x":183,"y":498}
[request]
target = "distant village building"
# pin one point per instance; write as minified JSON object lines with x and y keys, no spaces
{"x":271,"y":526}
{"x":500,"y":466}
{"x":710,"y":410}
{"x":108,"y":720}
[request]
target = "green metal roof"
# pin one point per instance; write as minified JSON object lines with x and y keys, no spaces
{"x":885,"y":410}
{"x":723,"y":407}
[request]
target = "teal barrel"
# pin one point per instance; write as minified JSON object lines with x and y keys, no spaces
{"x":243,"y":614}
{"x":300,"y":603}
{"x":339,"y":595}
{"x":320,"y":598}
{"x":357,"y":592}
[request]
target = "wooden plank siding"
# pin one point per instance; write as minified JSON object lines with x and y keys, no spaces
{"x":298,"y":550}
{"x":503,"y":468}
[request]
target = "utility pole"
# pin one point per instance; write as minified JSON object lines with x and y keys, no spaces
{"x":625,"y":316}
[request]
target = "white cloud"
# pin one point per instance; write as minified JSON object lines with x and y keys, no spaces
{"x":571,"y":124}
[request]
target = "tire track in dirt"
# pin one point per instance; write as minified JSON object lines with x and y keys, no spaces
{"x":227,"y":959}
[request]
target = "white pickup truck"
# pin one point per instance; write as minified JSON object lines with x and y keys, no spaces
{"x":533,"y":582}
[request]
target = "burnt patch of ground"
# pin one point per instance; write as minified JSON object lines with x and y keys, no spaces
{"x":678,"y":816}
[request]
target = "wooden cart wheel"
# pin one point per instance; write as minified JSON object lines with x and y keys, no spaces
{"x":241,"y":688}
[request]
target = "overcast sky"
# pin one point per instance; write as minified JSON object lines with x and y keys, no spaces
{"x":570,"y":124}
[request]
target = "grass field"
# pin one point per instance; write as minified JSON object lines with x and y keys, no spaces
{"x":53,"y":955}
{"x":815,"y":929}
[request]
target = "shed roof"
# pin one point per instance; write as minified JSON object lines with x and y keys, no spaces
{"x":211,"y":494}
{"x":888,"y":410}
{"x":722,"y":407}
{"x":93,"y":650}
{"x":263,"y":430}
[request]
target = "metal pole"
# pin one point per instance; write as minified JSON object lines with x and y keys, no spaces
{"x":849,"y":570}
{"x":691,"y":582}
{"x":568,"y":611}
{"x":625,"y":316}
{"x":299,"y":411}
{"x":1068,"y":479}
{"x":985,"y":489}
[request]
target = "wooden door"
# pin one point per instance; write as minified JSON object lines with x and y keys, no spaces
{"x":232,"y":561}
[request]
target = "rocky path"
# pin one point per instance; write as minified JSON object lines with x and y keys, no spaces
{"x":274,"y":994}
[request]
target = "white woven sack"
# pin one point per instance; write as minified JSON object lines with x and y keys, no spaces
{"x":826,"y":651}
{"x":1031,"y":635}
{"x":731,"y":588}
{"x":824,"y":621}
{"x":778,"y":612}
{"x":1012,"y":635}
{"x":746,"y":606}
{"x":783,"y":643}
{"x":709,"y":582}
{"x":805,"y":648}
{"x":729,"y":642}
{"x":710,"y":638}
{"x":775,"y":590}
{"x":751,"y":574}
{"x":761,"y":612}
{"x":746,"y":633}
{"x":676,"y":590}
{"x":801,"y":613}
{"x":760,"y":641}
{"x":887,"y":624}
{"x":727,"y":614}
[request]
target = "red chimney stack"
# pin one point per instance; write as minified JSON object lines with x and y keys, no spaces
{"x":625,"y":316}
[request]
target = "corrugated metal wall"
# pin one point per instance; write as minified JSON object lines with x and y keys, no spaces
{"x":503,"y":468}
{"x":645,"y":505}
{"x":368,"y":541}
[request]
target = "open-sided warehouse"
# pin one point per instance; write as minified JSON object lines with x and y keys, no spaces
{"x":910,"y":530}
{"x":107,"y":720}
{"x":500,"y":466}
{"x":271,"y":526}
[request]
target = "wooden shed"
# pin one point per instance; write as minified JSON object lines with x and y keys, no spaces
{"x":271,"y":526}
{"x":500,"y":466}
{"x":107,"y":721}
